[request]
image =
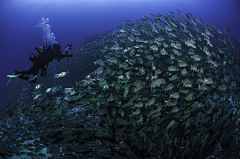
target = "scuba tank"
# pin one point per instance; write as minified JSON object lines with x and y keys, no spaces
{"x":38,"y":51}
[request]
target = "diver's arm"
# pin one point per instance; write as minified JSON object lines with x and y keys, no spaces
{"x":60,"y":56}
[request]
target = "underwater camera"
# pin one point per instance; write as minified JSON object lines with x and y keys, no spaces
{"x":69,"y":47}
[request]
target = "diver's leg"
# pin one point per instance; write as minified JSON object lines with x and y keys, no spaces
{"x":33,"y":70}
{"x":45,"y":72}
{"x":23,"y":77}
{"x":33,"y":81}
{"x":41,"y":74}
{"x":29,"y":79}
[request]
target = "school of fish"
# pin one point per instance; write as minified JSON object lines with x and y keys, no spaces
{"x":165,"y":86}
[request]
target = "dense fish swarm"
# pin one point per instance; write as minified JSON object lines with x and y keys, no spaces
{"x":162,"y":87}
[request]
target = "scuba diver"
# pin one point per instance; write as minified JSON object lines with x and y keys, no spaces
{"x":40,"y":59}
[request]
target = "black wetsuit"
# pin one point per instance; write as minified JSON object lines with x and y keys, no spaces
{"x":42,"y":62}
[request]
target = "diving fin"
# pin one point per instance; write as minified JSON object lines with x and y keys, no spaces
{"x":11,"y":77}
